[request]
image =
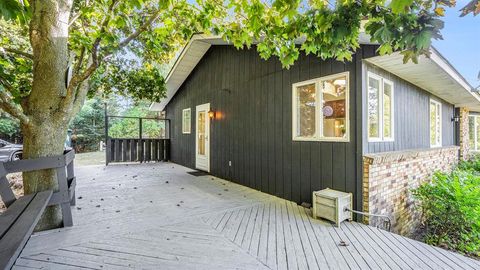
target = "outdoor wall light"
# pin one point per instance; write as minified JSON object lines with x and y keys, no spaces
{"x":456,"y":118}
{"x":211,"y":114}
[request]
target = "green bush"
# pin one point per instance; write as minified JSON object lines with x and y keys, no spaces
{"x":450,"y":204}
{"x":472,"y":165}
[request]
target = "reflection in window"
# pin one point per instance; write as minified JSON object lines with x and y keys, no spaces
{"x":334,"y":100}
{"x":186,"y":121}
{"x":306,"y":110}
{"x":380,"y":110}
{"x":320,"y":109}
{"x":373,"y":107}
{"x":201,"y":133}
{"x":387,"y":110}
{"x":435,"y":124}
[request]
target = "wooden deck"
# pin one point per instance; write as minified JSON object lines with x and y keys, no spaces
{"x":156,"y":216}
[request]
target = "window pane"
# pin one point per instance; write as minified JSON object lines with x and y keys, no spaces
{"x":471,"y":132}
{"x":477,"y":119}
{"x":201,"y":133}
{"x":373,"y":107}
{"x":435,"y":125}
{"x":387,"y":111}
{"x":334,"y":108}
{"x":186,"y":121}
{"x":305,"y":106}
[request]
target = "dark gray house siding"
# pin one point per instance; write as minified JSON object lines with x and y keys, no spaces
{"x":411,"y":105}
{"x":254,"y":99}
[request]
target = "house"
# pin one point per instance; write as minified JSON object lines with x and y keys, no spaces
{"x":374,"y":126}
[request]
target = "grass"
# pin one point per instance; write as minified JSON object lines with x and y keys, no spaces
{"x":90,"y":158}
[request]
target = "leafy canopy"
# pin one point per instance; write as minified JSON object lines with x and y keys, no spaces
{"x":115,"y":46}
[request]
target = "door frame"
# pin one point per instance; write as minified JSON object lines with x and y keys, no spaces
{"x":203,"y":107}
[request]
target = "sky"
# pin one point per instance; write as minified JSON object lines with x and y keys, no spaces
{"x":461,"y":43}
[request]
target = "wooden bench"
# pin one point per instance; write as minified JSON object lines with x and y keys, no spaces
{"x":19,"y":220}
{"x":22,"y":214}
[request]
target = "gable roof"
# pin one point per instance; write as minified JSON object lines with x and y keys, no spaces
{"x":435,"y":74}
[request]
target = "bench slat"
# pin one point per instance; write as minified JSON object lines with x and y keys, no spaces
{"x":15,"y":239}
{"x":13,"y":212}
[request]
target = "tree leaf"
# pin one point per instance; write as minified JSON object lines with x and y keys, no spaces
{"x":400,"y":6}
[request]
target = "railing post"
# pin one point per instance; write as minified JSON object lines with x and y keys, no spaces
{"x":63,"y":191}
{"x":140,"y":144}
{"x":71,"y":176}
{"x":107,"y":144}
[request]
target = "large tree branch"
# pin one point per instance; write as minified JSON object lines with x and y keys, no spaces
{"x":140,"y":30}
{"x":7,"y":104}
{"x":78,"y":77}
{"x":15,"y":51}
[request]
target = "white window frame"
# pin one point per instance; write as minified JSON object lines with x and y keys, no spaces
{"x":318,"y":136}
{"x":381,"y":92}
{"x":439,"y":104}
{"x":189,"y":126}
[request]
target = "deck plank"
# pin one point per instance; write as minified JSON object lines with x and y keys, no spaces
{"x":166,"y":217}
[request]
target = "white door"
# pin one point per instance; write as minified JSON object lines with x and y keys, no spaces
{"x":202,"y":138}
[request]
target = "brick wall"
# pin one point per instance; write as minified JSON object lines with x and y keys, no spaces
{"x":388,"y":178}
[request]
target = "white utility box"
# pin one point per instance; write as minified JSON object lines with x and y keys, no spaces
{"x":330,"y":204}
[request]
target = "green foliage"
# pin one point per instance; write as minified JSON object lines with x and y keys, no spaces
{"x":9,"y":127}
{"x":451,"y":209}
{"x":15,"y":69}
{"x":129,"y":128}
{"x":105,"y":36}
{"x":472,"y":165}
{"x":112,"y":33}
{"x":88,"y":126}
{"x":329,"y":30}
{"x":124,"y":77}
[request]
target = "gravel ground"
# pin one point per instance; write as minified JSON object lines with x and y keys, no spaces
{"x":16,"y":184}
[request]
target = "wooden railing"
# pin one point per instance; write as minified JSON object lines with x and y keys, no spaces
{"x":64,"y":166}
{"x":141,"y":150}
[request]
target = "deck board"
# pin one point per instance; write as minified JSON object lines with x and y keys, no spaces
{"x":165,"y":218}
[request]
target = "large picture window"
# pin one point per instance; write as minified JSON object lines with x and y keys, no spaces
{"x":474,"y":132}
{"x":186,"y":121}
{"x":320,"y":109}
{"x":380,"y":108}
{"x":435,"y":123}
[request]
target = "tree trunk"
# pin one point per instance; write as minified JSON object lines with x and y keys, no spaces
{"x":43,"y":139}
{"x":45,"y":133}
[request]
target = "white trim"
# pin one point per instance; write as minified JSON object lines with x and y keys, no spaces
{"x":318,"y":136}
{"x":439,"y":120}
{"x":381,"y":113}
{"x":184,"y":128}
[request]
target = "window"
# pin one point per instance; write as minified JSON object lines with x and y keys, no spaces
{"x":320,"y":109}
{"x":435,"y":123}
{"x":474,"y":132}
{"x":380,"y":108}
{"x":186,"y":121}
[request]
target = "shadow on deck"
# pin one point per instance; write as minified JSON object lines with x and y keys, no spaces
{"x":156,"y":216}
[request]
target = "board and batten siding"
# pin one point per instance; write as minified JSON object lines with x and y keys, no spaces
{"x":253,"y":101}
{"x":411,"y":116}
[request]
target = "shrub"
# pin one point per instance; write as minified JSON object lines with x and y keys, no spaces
{"x":472,"y":165}
{"x":450,"y":206}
